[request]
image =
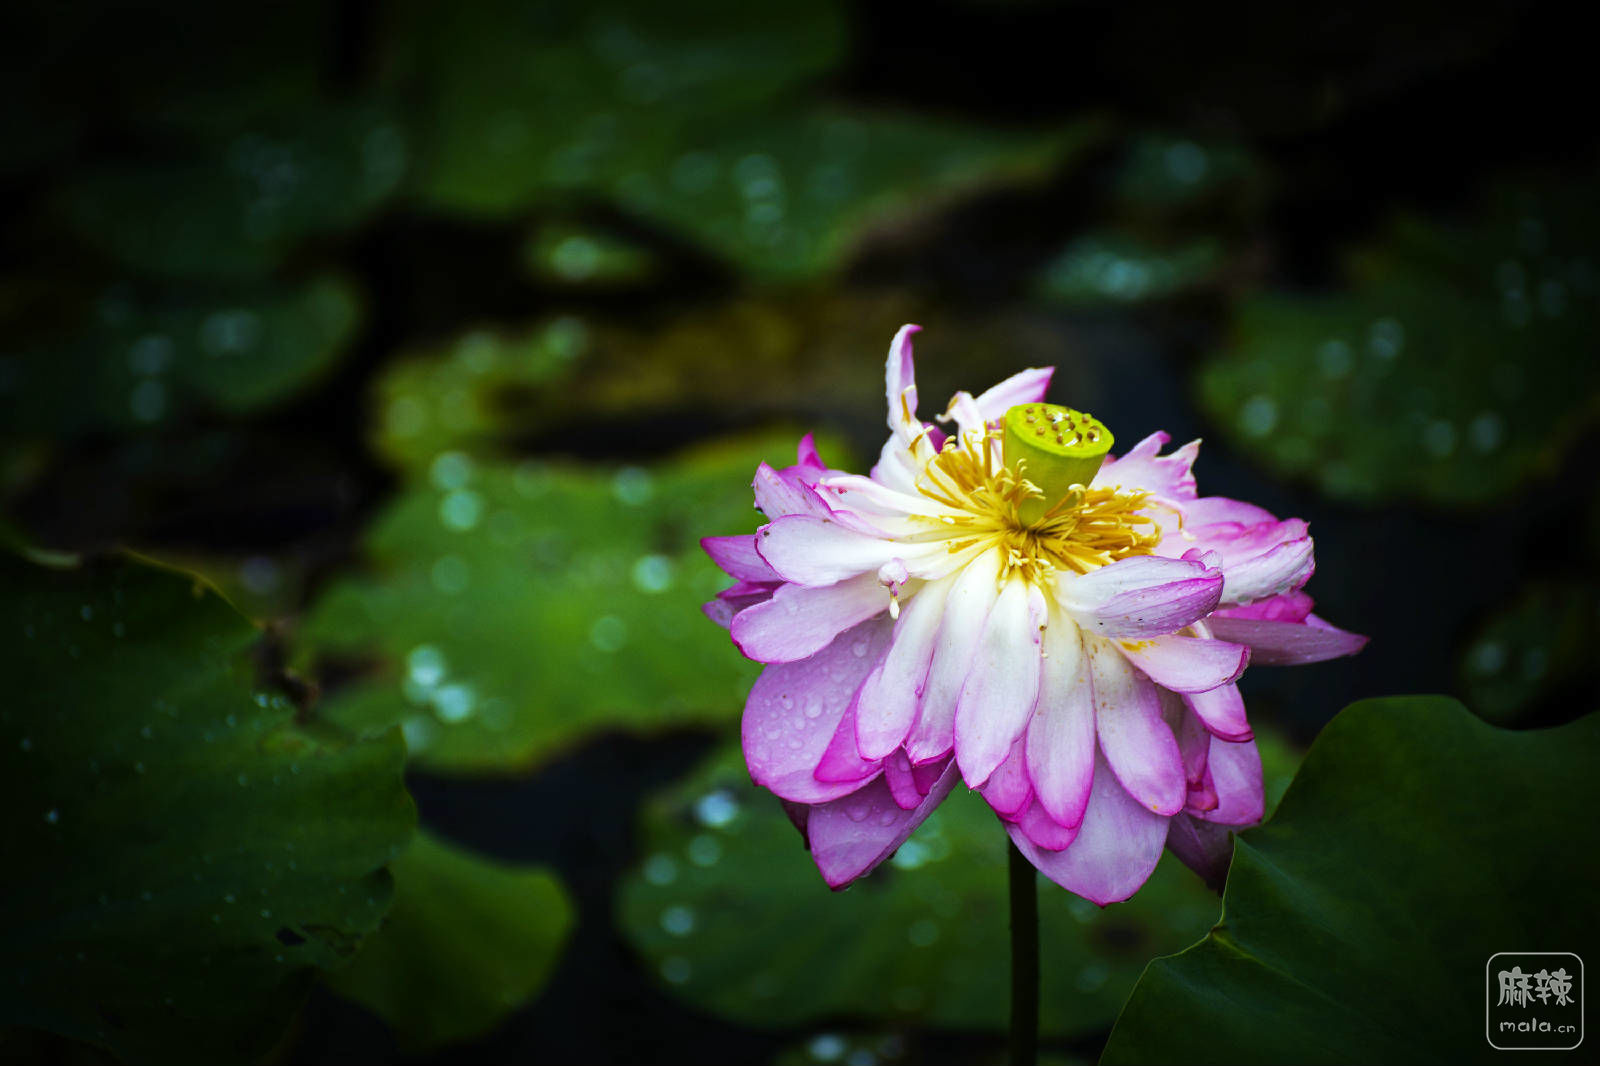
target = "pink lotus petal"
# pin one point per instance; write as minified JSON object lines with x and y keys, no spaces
{"x":738,"y":558}
{"x":1287,"y":643}
{"x":1187,"y":664}
{"x":1222,"y":711}
{"x":1002,"y":684}
{"x":1028,"y":386}
{"x":1285,"y":607}
{"x":1044,"y":831}
{"x":1116,"y":848}
{"x":1166,"y":476}
{"x":1204,"y":847}
{"x":902,"y":781}
{"x":891,"y":695}
{"x":1141,"y":596}
{"x":797,"y":621}
{"x":820,"y":551}
{"x":1137,"y":742}
{"x":841,"y":762}
{"x":1060,"y":742}
{"x":781,"y":494}
{"x":1008,"y":789}
{"x":794,"y":710}
{"x":850,"y":836}
{"x":1235,"y":771}
{"x":972,"y":595}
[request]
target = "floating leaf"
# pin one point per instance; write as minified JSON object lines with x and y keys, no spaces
{"x":1458,"y":363}
{"x":164,"y":819}
{"x":467,"y":942}
{"x":1538,"y":644}
{"x":141,"y":362}
{"x":510,"y":610}
{"x":731,"y":912}
{"x":246,"y":203}
{"x":791,"y":196}
{"x":1107,"y":268}
{"x":519,"y":101}
{"x":1415,"y":843}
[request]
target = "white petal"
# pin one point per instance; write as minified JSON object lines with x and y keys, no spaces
{"x":889,"y":699}
{"x":1061,"y":737}
{"x":1138,"y":744}
{"x":971,"y":596}
{"x":1003,"y":684}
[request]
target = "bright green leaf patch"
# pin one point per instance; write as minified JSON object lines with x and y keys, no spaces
{"x":731,"y":912}
{"x":140,"y":362}
{"x":509,"y":610}
{"x":1415,"y":843}
{"x":164,"y":818}
{"x":1458,"y":363}
{"x":467,"y":942}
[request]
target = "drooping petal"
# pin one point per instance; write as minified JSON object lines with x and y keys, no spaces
{"x":798,"y":621}
{"x":1222,"y":711}
{"x":820,"y":551}
{"x":1287,"y":643}
{"x":1204,"y":847}
{"x":1002,"y":685}
{"x":1027,"y":386}
{"x":902,"y":781}
{"x":1044,"y":831}
{"x":841,"y":762}
{"x":738,"y":558}
{"x":1116,"y":848}
{"x":1141,"y":596}
{"x":1166,"y":476}
{"x":972,"y":595}
{"x":889,"y":699}
{"x":1259,"y":560}
{"x":794,"y":710}
{"x":1235,"y":771}
{"x":1008,"y":790}
{"x":852,"y":835}
{"x":1285,"y":607}
{"x":1187,"y":664}
{"x":1135,"y":738}
{"x":780,"y":494}
{"x":1061,"y":737}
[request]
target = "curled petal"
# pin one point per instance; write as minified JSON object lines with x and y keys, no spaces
{"x":794,"y":711}
{"x":1187,"y":664}
{"x":1134,"y":736}
{"x":1141,"y":596}
{"x":1116,"y":848}
{"x":900,"y":382}
{"x":737,"y":557}
{"x":1288,"y":643}
{"x":798,"y":622}
{"x":1002,"y":685}
{"x":851,"y":835}
{"x":783,"y":493}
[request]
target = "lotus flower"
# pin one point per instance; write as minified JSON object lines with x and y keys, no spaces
{"x":1008,"y":607}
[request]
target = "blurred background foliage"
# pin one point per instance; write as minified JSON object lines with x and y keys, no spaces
{"x":434,"y":337}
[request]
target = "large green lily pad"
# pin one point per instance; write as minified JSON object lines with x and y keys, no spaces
{"x":731,"y":912}
{"x":1415,"y":843}
{"x":1457,"y":364}
{"x":519,"y":101}
{"x":139,"y":362}
{"x":184,"y":852}
{"x":508,"y":610}
{"x":248,"y":199}
{"x":467,"y":942}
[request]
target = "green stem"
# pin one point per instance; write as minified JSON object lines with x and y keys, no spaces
{"x":1024,"y":961}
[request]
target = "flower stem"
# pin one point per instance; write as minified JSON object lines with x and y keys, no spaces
{"x":1024,"y":960}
